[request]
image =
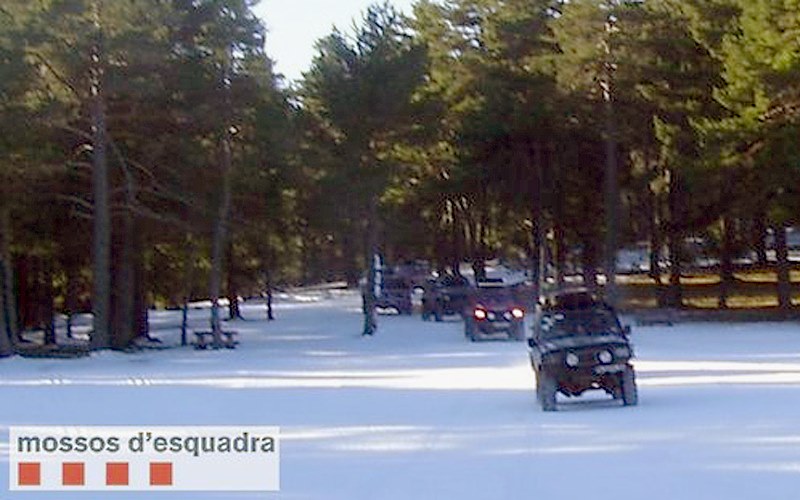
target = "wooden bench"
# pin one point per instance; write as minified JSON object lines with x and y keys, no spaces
{"x":34,"y":350}
{"x":654,"y":317}
{"x":205,"y":339}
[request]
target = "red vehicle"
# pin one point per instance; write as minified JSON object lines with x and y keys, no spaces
{"x":493,"y":310}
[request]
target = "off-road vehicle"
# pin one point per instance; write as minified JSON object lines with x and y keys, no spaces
{"x":493,"y":310}
{"x":393,"y":292}
{"x":578,"y":345}
{"x":445,"y":296}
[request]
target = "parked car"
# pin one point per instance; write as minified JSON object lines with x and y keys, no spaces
{"x":416,"y":272}
{"x":578,"y":344}
{"x":445,"y":296}
{"x":494,"y":310}
{"x":633,"y":259}
{"x":392,"y":292}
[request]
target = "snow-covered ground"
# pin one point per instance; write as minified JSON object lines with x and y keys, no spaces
{"x":418,"y":412}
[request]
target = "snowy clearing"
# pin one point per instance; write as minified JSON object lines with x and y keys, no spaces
{"x":418,"y":412}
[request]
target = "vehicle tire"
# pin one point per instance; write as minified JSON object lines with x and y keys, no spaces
{"x":616,"y":391}
{"x":517,"y":332}
{"x":469,"y":331}
{"x":630,"y":394}
{"x":546,"y":389}
{"x":426,"y":316}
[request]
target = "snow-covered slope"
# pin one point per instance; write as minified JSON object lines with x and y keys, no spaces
{"x":418,"y":412}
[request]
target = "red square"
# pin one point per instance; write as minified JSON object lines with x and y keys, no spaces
{"x":160,"y":473}
{"x":29,"y":474}
{"x":73,"y":474}
{"x":117,"y":474}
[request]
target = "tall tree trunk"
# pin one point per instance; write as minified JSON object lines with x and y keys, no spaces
{"x":72,"y":290}
{"x":349,"y":258}
{"x":25,"y":300}
{"x":188,"y":288}
{"x":458,"y":252}
{"x":611,"y":211}
{"x":759,"y":238}
{"x":656,"y":245}
{"x":675,"y":241}
{"x":124,"y":290}
{"x":559,"y":233}
{"x":268,"y":285}
{"x":223,"y":213}
{"x":127,"y":279}
{"x":47,"y":307}
{"x":6,"y":348}
{"x":8,"y":306}
{"x":534,"y":158}
{"x":234,"y":312}
{"x":560,"y":242}
{"x":371,"y":250}
{"x":140,"y":306}
{"x":726,"y":278}
{"x":480,"y":235}
{"x":219,"y":243}
{"x":101,"y":266}
{"x":656,"y":240}
{"x":589,"y":263}
{"x":440,"y":237}
{"x":782,"y":256}
{"x":611,"y":184}
{"x":675,"y":295}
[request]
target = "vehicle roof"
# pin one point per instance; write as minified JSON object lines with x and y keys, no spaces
{"x":580,"y":321}
{"x":491,"y":283}
{"x":573,"y":299}
{"x":395,"y":281}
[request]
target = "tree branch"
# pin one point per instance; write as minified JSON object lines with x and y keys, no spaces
{"x":77,"y":201}
{"x":64,"y":81}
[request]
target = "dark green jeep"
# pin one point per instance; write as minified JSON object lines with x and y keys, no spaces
{"x":581,"y":348}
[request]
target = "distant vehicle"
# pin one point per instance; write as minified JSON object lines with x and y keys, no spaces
{"x":415,"y":272}
{"x":493,"y":309}
{"x":578,"y":344}
{"x":792,"y":238}
{"x":392,"y":292}
{"x":571,"y":298}
{"x":634,"y":259}
{"x":445,"y":296}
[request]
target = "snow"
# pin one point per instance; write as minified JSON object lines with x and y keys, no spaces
{"x":419,"y":412}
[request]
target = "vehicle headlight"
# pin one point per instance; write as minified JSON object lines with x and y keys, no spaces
{"x":622,"y":352}
{"x":572,"y":359}
{"x":491,"y":316}
{"x":517,"y":313}
{"x":507,"y":316}
{"x":480,"y":314}
{"x":605,"y":357}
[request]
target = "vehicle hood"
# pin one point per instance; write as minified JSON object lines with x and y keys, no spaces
{"x":577,"y":341}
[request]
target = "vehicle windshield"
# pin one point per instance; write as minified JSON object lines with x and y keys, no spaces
{"x":395,"y":283}
{"x":490,"y":297}
{"x":453,"y":281}
{"x":587,"y":322}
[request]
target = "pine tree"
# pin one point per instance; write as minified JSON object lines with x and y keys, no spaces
{"x":360,"y":90}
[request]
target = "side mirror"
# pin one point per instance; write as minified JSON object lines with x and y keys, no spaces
{"x":532,"y":343}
